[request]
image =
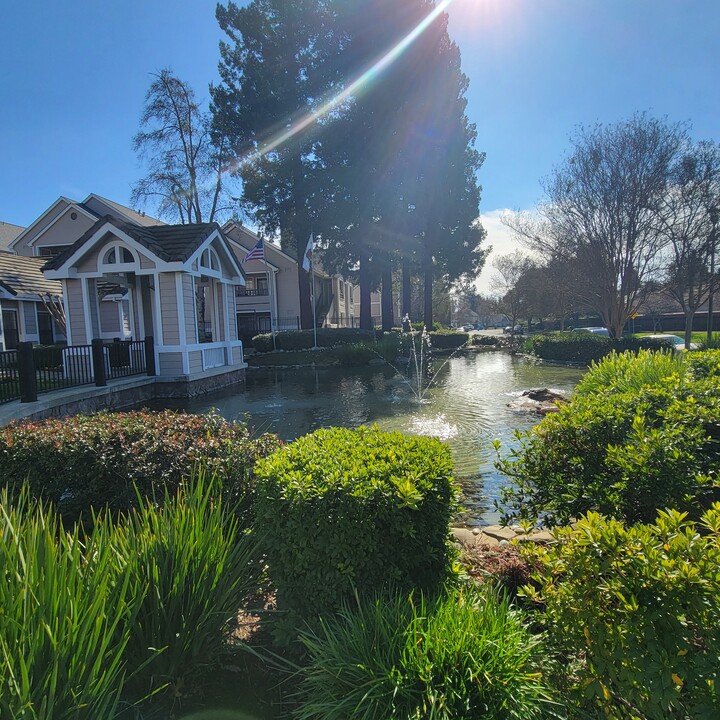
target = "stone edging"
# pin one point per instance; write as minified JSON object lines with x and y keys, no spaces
{"x":496,"y":535}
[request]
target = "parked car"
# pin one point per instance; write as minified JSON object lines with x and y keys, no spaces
{"x":468,"y":328}
{"x":510,"y":330}
{"x":594,"y":330}
{"x":479,"y":326}
{"x":677,"y":343}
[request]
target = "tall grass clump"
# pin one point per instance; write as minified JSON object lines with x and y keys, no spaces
{"x":65,"y":617}
{"x":465,"y":655}
{"x":198,"y":567}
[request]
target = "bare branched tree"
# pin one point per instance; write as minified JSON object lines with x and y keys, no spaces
{"x":604,"y":211}
{"x":506,"y":284}
{"x":689,"y":220}
{"x":54,"y":305}
{"x":186,"y":160}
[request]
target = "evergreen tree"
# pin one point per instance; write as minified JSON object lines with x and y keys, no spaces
{"x":274,"y":73}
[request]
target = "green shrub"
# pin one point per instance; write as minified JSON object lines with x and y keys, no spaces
{"x":304,"y":339}
{"x":448,"y":340}
{"x":420,"y":326}
{"x":626,"y":451}
{"x":389,"y":346}
{"x":65,"y":618}
{"x":354,"y":509}
{"x":625,"y":372}
{"x":703,"y":364}
{"x":712,"y":344}
{"x":85,"y":462}
{"x":638,"y":608}
{"x":467,"y":655}
{"x":483,"y":340}
{"x":197,"y":569}
{"x":356,"y":354}
{"x":585,"y":347}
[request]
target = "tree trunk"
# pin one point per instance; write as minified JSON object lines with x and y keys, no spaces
{"x":386,"y":298}
{"x":689,"y":317}
{"x":365,"y":291}
{"x":428,"y":299}
{"x":406,"y":288}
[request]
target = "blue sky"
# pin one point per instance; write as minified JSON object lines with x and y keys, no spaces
{"x":73,"y":77}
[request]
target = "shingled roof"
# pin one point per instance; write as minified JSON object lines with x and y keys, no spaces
{"x":23,"y":276}
{"x":8,"y":233}
{"x":171,"y":243}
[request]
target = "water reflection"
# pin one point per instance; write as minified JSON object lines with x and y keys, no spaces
{"x":467,"y":407}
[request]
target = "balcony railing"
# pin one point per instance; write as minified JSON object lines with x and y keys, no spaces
{"x":32,"y":370}
{"x":244,"y":292}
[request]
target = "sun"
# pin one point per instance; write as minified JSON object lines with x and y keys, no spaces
{"x":481,"y":13}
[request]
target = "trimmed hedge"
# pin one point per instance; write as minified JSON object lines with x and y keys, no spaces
{"x":586,"y":347}
{"x":304,"y":339}
{"x":355,"y":510}
{"x":639,"y":435}
{"x":87,"y":462}
{"x":448,"y":340}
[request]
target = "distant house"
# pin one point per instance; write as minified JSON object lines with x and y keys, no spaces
{"x":173,"y":282}
{"x":116,"y":273}
{"x":271,"y":298}
{"x":25,"y":299}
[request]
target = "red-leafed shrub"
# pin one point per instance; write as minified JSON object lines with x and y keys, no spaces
{"x":89,"y":462}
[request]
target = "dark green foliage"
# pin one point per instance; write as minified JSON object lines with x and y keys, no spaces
{"x":448,"y":340}
{"x":85,"y":462}
{"x":354,"y":509}
{"x":637,"y":609}
{"x":304,"y":339}
{"x":585,"y":347}
{"x":420,"y":326}
{"x":356,"y":354}
{"x":464,"y":655}
{"x":646,"y":439}
{"x":483,"y":340}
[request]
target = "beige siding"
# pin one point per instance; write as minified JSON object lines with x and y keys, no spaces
{"x":195,"y":361}
{"x":94,"y":311}
{"x":237,"y":355}
{"x":64,"y":232}
{"x":171,"y":364}
{"x":190,"y":315}
{"x":146,"y":263}
{"x":169,"y":309}
{"x":76,"y":313}
{"x":231,"y":312}
{"x":221,"y":312}
{"x":89,"y":261}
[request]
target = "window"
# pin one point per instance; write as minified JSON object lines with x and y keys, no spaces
{"x":117,"y":257}
{"x":52,"y":250}
{"x":261,"y":284}
{"x":209,"y":260}
{"x":10,"y":329}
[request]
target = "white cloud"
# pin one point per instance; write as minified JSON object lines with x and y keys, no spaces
{"x":503,"y":241}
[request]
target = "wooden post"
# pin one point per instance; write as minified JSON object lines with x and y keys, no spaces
{"x":26,"y":372}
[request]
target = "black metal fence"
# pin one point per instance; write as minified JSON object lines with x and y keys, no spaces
{"x":9,"y":376}
{"x":31,"y":370}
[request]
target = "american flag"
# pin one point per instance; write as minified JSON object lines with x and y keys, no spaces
{"x":257,"y":253}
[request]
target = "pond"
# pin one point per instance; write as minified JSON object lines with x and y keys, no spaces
{"x":466,"y":406}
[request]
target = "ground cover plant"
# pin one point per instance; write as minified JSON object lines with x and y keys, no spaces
{"x":305,"y":339}
{"x":89,"y":462}
{"x":354,"y":510}
{"x":467,"y":654}
{"x":634,"y":609}
{"x":641,"y":433}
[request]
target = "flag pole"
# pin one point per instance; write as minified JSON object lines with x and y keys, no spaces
{"x":312,"y":272}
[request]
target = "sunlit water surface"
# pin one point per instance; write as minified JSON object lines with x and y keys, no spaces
{"x":466,"y":406}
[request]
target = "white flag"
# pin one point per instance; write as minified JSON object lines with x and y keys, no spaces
{"x":307,"y":258}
